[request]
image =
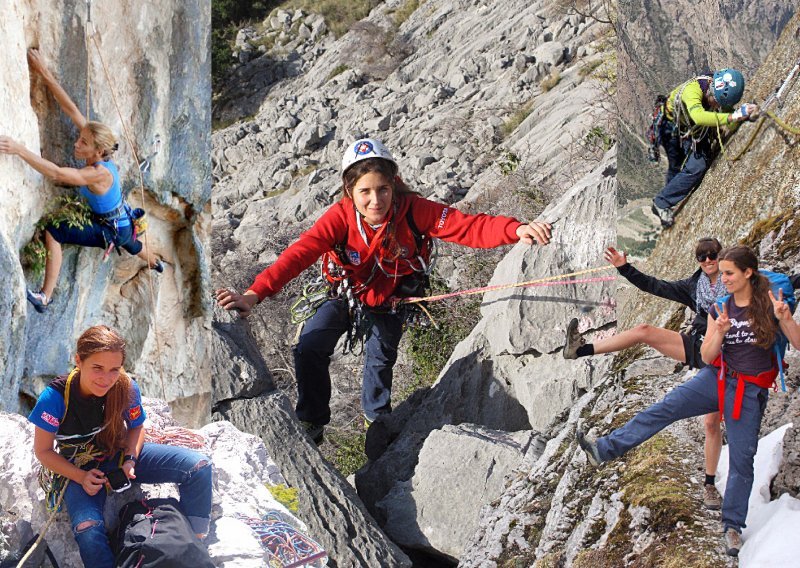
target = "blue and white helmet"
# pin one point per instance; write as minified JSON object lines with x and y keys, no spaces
{"x":728,"y":87}
{"x":364,"y":149}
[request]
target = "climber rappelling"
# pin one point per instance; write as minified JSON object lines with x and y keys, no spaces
{"x":112,"y":222}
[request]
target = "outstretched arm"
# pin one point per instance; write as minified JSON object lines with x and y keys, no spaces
{"x":98,"y":179}
{"x":67,"y":105}
{"x":675,"y":290}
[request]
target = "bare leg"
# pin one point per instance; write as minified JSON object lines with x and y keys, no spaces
{"x":665,"y":341}
{"x":151,"y":259}
{"x":713,"y":445}
{"x":52,"y":266}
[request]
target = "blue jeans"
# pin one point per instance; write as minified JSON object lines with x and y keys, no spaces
{"x":312,"y":356}
{"x":696,"y":397}
{"x":686,"y":167}
{"x":157,"y":464}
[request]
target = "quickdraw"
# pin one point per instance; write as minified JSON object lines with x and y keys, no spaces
{"x":311,"y":298}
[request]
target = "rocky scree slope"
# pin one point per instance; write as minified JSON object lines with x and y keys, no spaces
{"x":645,"y":509}
{"x":161,"y":79}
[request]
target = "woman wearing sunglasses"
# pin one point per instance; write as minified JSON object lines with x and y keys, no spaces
{"x":698,"y":292}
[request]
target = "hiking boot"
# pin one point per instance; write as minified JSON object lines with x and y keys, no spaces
{"x":574,"y":340}
{"x":666,"y":216}
{"x":315,"y":431}
{"x":158,"y":267}
{"x":733,"y":542}
{"x":589,"y":446}
{"x":39,"y":301}
{"x":711,"y":497}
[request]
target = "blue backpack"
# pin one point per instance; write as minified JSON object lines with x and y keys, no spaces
{"x":780,"y":283}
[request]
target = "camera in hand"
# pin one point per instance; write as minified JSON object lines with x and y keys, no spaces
{"x":118,"y":480}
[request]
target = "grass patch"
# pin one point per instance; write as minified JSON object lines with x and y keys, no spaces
{"x":588,"y":68}
{"x":551,"y":81}
{"x":404,"y":12}
{"x":517,"y":118}
{"x":338,"y":70}
{"x":339,"y":16}
{"x":346,"y":450}
{"x":430,"y":348}
{"x":70,"y":210}
{"x":652,"y":480}
{"x":790,"y":243}
{"x":285,"y":495}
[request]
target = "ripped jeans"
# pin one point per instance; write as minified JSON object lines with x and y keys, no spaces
{"x":157,"y":464}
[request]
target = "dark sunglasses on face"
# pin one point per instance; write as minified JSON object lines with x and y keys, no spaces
{"x":708,"y":255}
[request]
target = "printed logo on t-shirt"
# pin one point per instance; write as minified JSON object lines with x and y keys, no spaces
{"x":50,"y":419}
{"x":354,"y":257}
{"x":740,"y":333}
{"x":442,"y":218}
{"x":135,"y":412}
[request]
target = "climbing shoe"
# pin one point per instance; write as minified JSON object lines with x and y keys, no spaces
{"x":666,"y":216}
{"x":39,"y":301}
{"x":158,"y":267}
{"x":315,"y":431}
{"x":711,"y":497}
{"x":733,"y":542}
{"x":590,"y":447}
{"x":574,"y":340}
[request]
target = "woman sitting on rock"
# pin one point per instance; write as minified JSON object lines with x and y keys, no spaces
{"x":740,"y":340}
{"x":98,"y":183}
{"x":698,"y":292}
{"x":373,"y":242}
{"x":94,"y":418}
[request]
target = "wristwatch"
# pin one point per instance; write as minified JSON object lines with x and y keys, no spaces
{"x":130,"y":457}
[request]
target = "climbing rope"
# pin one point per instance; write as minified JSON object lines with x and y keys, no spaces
{"x":92,"y":35}
{"x":46,"y":526}
{"x":559,"y":279}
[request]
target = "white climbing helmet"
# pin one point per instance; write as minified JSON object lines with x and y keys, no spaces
{"x":364,"y":149}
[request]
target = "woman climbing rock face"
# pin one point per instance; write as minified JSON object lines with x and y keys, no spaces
{"x":375,"y":244}
{"x":98,"y":182}
{"x":90,"y":423}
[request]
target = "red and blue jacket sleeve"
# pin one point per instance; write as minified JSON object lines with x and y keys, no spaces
{"x":322,"y":237}
{"x":451,"y":225}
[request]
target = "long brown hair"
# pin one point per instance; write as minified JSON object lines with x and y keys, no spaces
{"x":390,"y":247}
{"x":101,"y":339}
{"x":759,"y":313}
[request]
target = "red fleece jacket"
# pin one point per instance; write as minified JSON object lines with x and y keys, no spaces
{"x":338,"y":225}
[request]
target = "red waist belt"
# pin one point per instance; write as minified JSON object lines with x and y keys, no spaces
{"x":764,"y":380}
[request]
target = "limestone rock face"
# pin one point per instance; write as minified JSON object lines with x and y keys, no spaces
{"x":161,"y":78}
{"x":243,"y":469}
{"x":460,"y":469}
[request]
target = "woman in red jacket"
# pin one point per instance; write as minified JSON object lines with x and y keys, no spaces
{"x":372,"y":245}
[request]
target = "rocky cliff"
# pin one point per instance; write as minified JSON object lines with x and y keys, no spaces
{"x":157,"y":58}
{"x":644,"y":509}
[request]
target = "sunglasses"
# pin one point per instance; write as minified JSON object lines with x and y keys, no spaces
{"x":708,"y":255}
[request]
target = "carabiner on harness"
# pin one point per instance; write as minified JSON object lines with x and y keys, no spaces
{"x":312,"y":297}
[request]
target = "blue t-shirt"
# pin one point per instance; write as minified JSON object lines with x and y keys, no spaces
{"x":85,"y":417}
{"x":111,"y":199}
